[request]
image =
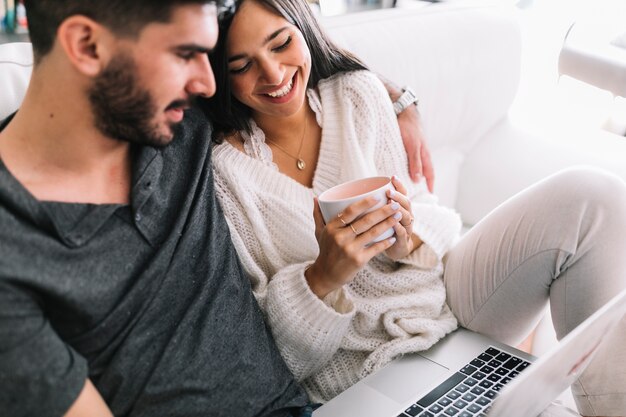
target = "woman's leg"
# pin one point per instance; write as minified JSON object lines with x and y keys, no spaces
{"x":527,"y":344}
{"x":562,"y":240}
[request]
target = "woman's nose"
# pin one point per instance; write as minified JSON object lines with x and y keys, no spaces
{"x":272,"y":71}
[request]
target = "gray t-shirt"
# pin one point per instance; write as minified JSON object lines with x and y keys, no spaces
{"x":148,"y":300}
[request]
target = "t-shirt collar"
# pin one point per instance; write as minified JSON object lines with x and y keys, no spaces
{"x":77,"y":223}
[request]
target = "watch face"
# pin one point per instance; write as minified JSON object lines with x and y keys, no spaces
{"x":410,"y":95}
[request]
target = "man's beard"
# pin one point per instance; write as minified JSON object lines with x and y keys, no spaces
{"x":122,"y":109}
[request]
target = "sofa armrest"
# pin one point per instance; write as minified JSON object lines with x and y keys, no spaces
{"x":16,"y":63}
{"x":509,"y":159}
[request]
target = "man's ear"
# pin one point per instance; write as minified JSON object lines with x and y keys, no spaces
{"x":86,"y":43}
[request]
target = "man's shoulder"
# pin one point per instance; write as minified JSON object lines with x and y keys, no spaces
{"x":195,"y":118}
{"x":195,"y":126}
{"x":192,"y":138}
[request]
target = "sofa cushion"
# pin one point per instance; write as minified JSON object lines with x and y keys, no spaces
{"x":16,"y":64}
{"x":462,"y":61}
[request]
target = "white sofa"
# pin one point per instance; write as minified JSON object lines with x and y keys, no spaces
{"x":16,"y":63}
{"x":463,"y":61}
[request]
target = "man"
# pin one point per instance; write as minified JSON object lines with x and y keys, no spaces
{"x":120,"y":292}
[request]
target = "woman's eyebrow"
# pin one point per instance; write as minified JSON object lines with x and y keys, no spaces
{"x":265,"y":41}
{"x":274,"y":34}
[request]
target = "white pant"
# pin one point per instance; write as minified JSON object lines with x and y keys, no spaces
{"x":558,"y":410}
{"x":562,"y":240}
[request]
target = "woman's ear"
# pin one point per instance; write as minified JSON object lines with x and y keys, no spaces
{"x":86,"y":44}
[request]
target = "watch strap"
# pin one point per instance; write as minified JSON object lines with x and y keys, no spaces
{"x":407,"y":98}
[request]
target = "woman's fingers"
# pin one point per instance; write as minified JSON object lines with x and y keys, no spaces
{"x":353,"y":211}
{"x":400,"y":197}
{"x":401,"y":232}
{"x":397,"y":184}
{"x":375,"y":217}
{"x":355,"y":221}
{"x":399,"y":194}
{"x":407,"y":217}
{"x":404,"y":235}
{"x":366,"y":237}
{"x":318,"y":218}
{"x":379,"y":247}
{"x":403,"y":245}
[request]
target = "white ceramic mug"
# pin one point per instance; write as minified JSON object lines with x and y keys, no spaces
{"x":334,"y":200}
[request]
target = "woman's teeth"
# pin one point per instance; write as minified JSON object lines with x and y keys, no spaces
{"x":283,"y":91}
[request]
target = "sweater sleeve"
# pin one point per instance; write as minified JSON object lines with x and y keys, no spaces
{"x":376,"y":123}
{"x":307,"y":330}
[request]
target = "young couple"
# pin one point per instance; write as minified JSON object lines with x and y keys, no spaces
{"x":120,"y":290}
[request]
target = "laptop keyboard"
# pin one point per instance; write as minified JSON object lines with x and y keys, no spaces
{"x":470,"y":391}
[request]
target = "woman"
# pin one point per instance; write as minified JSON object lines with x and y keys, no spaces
{"x":295,"y":116}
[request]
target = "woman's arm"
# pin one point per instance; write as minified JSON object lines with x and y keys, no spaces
{"x":435,"y":225}
{"x":410,"y":124}
{"x":308,"y":330}
{"x":308,"y":311}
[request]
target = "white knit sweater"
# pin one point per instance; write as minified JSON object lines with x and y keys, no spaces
{"x":390,"y":308}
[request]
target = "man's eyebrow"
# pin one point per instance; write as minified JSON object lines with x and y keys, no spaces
{"x":265,"y":41}
{"x":192,"y":47}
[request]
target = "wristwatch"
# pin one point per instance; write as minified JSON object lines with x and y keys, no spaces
{"x":405,"y":100}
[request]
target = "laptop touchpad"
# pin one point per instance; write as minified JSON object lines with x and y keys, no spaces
{"x":407,"y":378}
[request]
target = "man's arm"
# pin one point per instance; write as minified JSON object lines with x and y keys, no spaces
{"x":89,"y":404}
{"x":417,"y":151}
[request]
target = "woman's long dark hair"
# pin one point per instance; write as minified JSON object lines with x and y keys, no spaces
{"x":226,"y":112}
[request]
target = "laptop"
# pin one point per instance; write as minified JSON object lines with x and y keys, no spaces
{"x":467,"y":374}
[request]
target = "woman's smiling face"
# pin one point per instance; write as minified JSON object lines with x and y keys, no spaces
{"x":269,"y":62}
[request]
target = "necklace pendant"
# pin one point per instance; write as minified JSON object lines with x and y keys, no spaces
{"x":301,"y":164}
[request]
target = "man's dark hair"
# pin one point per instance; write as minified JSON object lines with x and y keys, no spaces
{"x":228,"y":114}
{"x":123,"y":17}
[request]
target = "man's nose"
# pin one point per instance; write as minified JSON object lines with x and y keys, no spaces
{"x":202,"y":82}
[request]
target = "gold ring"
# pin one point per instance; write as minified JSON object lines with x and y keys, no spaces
{"x":342,"y":220}
{"x":352,"y":227}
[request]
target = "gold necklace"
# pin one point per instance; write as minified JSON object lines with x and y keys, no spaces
{"x":300,"y":164}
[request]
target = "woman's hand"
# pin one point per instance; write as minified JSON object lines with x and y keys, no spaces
{"x":343,"y":243}
{"x":416,"y":148}
{"x":406,"y":240}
